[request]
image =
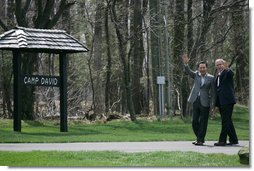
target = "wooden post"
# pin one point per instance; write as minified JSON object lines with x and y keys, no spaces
{"x":16,"y":89}
{"x":63,"y":92}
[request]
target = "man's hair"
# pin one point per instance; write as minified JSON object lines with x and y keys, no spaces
{"x":220,"y":60}
{"x":202,"y":62}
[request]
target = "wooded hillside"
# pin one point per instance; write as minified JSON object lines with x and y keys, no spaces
{"x":131,"y":42}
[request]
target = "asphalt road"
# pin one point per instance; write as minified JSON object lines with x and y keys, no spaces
{"x":126,"y":146}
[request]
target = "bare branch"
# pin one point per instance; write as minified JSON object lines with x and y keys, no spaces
{"x":221,"y":40}
{"x":47,"y":12}
{"x":20,"y":14}
{"x":226,"y":6}
{"x":63,"y":6}
{"x":39,"y":13}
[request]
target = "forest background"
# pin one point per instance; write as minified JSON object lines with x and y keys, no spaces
{"x":131,"y":42}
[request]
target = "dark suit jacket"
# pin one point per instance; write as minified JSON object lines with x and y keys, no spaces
{"x":225,"y":92}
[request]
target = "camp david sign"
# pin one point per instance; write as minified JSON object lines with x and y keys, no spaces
{"x":39,"y":80}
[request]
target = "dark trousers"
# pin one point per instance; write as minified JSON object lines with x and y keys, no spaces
{"x":227,"y":128}
{"x":200,"y":120}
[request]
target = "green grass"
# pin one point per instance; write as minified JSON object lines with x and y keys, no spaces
{"x":107,"y":158}
{"x":141,"y":130}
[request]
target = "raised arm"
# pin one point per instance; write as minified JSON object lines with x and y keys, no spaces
{"x":186,"y":60}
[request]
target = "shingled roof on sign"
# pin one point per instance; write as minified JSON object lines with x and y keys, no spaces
{"x":40,"y":40}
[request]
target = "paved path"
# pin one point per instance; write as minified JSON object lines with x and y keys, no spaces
{"x":125,"y":146}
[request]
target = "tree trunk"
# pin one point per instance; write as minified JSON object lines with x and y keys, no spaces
{"x":109,"y":63}
{"x":199,"y":50}
{"x":154,"y":8}
{"x":6,"y":65}
{"x":189,"y":29}
{"x":242,"y":84}
{"x":137,"y":58}
{"x":29,"y":61}
{"x":5,"y":83}
{"x":168,"y":61}
{"x":121,"y":33}
{"x":178,"y":44}
{"x":97,"y":60}
{"x":186,"y":86}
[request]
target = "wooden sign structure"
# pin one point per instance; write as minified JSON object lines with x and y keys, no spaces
{"x":20,"y":40}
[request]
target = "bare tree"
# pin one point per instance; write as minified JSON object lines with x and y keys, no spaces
{"x":122,"y":42}
{"x":97,"y":59}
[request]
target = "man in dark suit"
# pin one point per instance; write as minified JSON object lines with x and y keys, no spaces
{"x":225,"y":100}
{"x":201,"y":97}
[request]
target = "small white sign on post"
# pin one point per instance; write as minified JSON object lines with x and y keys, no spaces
{"x":160,"y":80}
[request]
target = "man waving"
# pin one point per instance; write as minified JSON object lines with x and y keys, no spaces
{"x":202,"y":98}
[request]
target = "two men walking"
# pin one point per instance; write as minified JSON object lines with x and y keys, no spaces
{"x":208,"y":92}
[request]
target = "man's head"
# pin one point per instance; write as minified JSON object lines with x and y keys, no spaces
{"x":220,"y":65}
{"x":202,"y":67}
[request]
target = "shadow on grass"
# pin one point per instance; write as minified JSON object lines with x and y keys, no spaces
{"x":34,"y":123}
{"x":152,"y":127}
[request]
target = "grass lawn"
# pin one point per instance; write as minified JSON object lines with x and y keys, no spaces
{"x":112,"y":159}
{"x":141,"y":130}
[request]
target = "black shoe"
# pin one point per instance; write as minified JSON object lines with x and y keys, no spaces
{"x":220,"y":144}
{"x":194,"y":142}
{"x":199,"y":143}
